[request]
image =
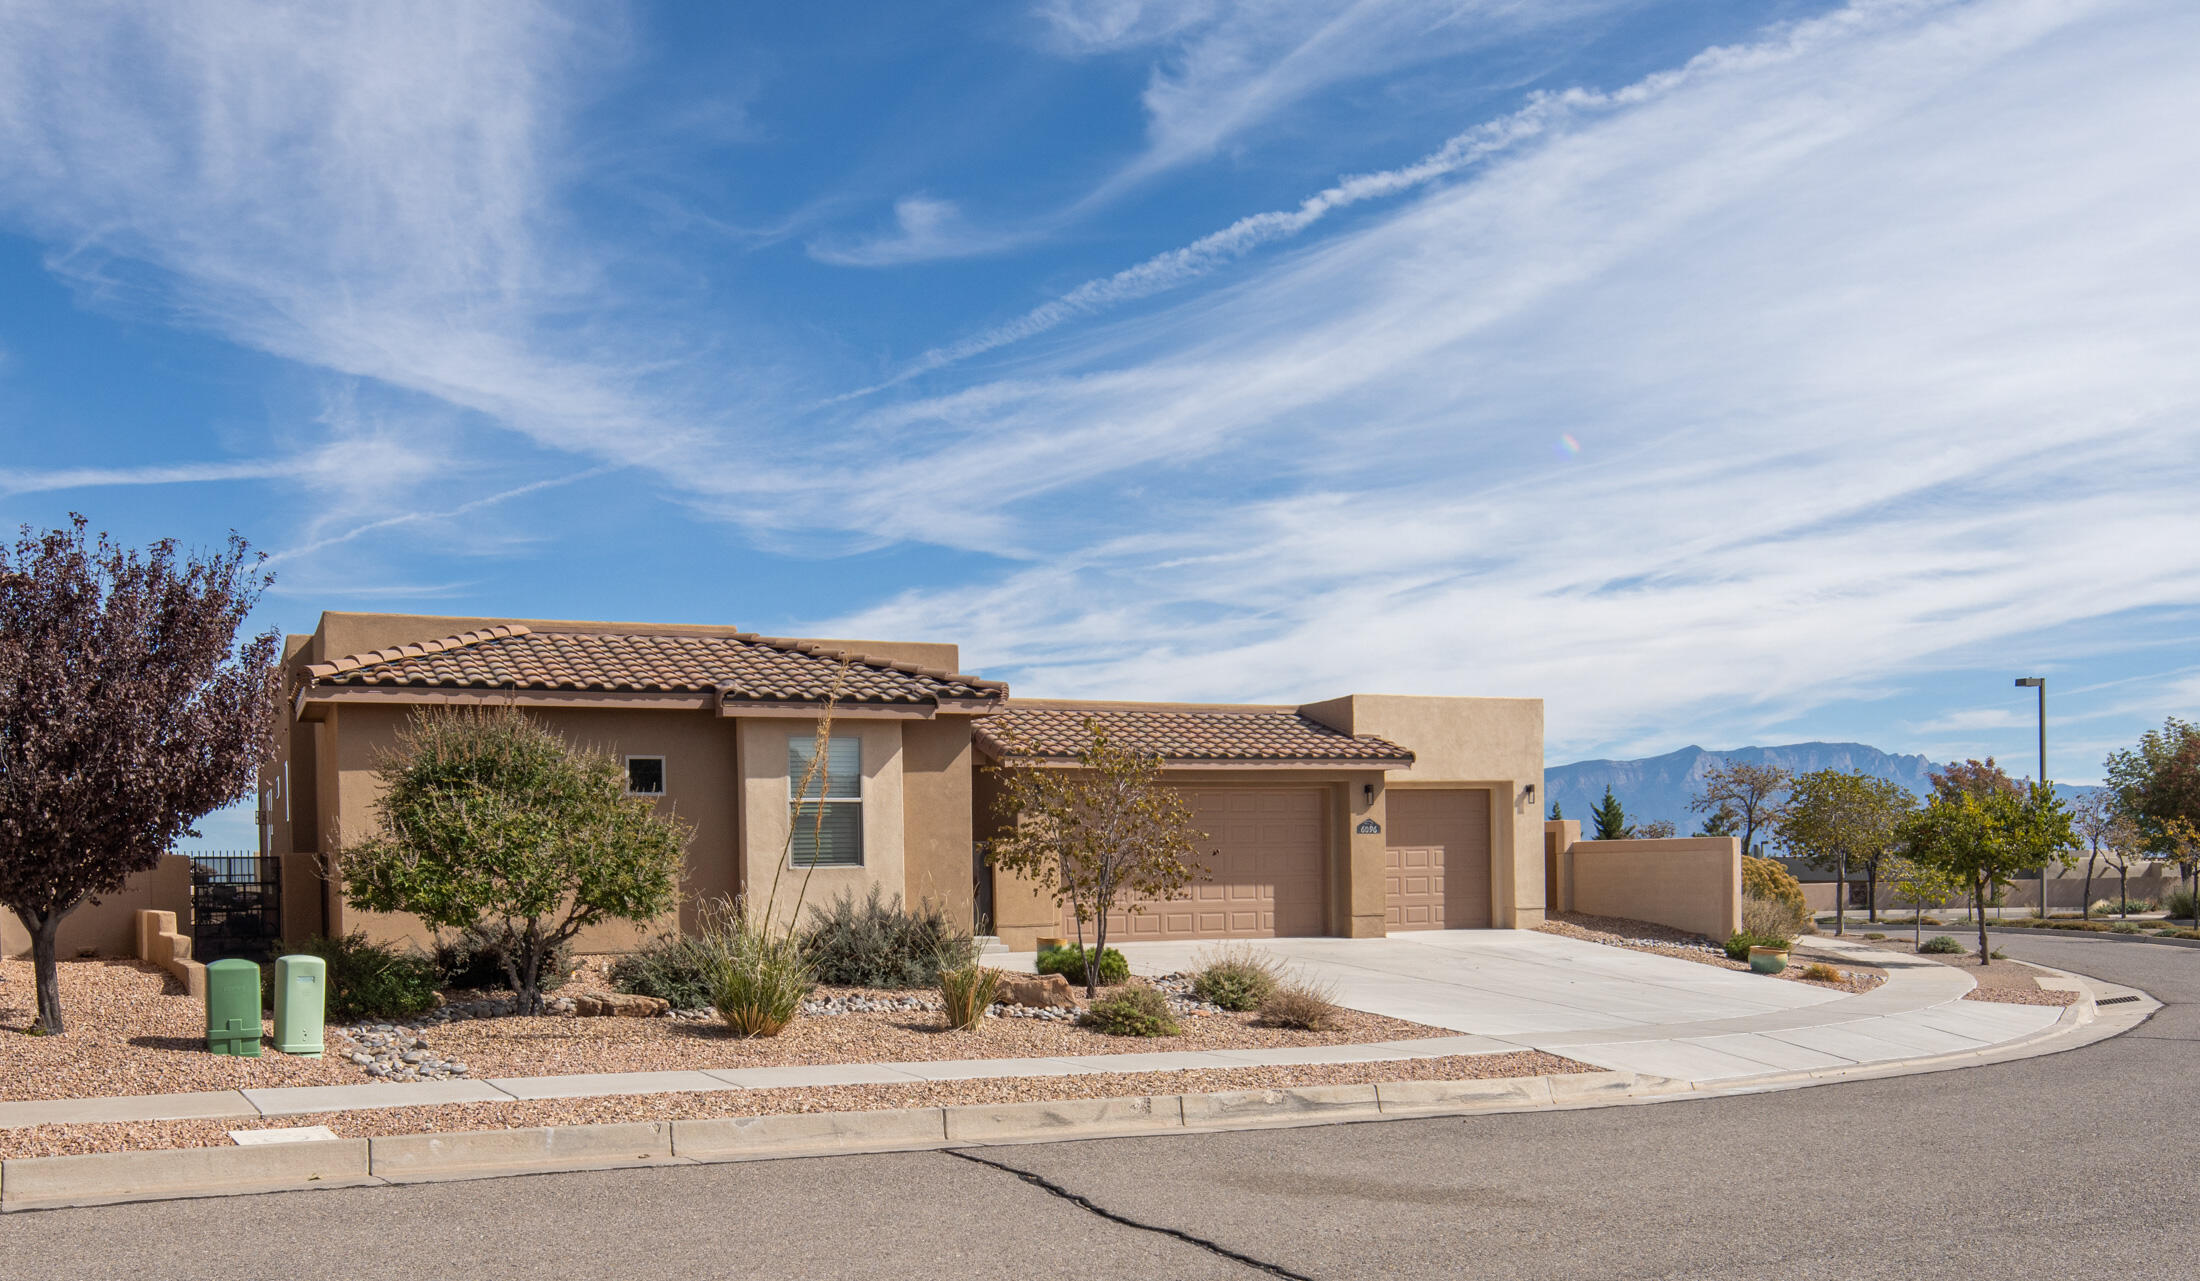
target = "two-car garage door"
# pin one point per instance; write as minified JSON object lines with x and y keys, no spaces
{"x":1267,"y":871}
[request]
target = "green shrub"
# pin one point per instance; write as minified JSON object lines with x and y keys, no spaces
{"x":675,"y":968}
{"x":1737,"y":947}
{"x":1131,"y":1011}
{"x":759,"y":978}
{"x":1941,"y":945}
{"x":1301,"y":1004}
{"x":1875,"y":936}
{"x":369,"y":980}
{"x":2178,"y":903}
{"x":2125,"y":927}
{"x":966,"y":993}
{"x":1237,"y":978}
{"x":474,"y":960}
{"x":876,"y":942}
{"x":2100,"y":907}
{"x":1069,"y":962}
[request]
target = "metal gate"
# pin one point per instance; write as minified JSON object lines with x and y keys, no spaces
{"x":236,"y":906}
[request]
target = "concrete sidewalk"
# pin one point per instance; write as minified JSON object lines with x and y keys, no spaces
{"x":1919,"y":1013}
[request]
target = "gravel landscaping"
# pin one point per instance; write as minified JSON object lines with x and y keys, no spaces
{"x":2001,"y":982}
{"x":1664,"y":940}
{"x":62,"y":1140}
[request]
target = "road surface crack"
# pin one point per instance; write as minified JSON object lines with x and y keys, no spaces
{"x":1086,"y":1204}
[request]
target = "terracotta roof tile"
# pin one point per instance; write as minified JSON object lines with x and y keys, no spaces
{"x":1183,"y":735}
{"x":748,"y":668}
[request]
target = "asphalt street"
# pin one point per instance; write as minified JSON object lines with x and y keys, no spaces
{"x":2069,"y":1165}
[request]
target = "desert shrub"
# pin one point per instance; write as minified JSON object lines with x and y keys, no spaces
{"x":759,"y":977}
{"x":1875,"y":936}
{"x":1941,"y":945}
{"x":966,"y":992}
{"x":474,"y":960}
{"x":2125,"y":927}
{"x":1737,"y":946}
{"x":876,"y":942}
{"x":369,"y":980}
{"x":2100,"y":907}
{"x":2178,"y":903}
{"x":1302,"y":1004}
{"x":1237,"y":978}
{"x":1069,"y":962}
{"x":1928,"y":920}
{"x":1820,"y":972}
{"x":1771,"y":918}
{"x":675,"y":968}
{"x":1765,"y":879}
{"x":1131,"y":1011}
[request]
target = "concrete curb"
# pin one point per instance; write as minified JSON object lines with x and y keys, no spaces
{"x":744,"y":1138}
{"x":104,"y":1178}
{"x":423,"y":1158}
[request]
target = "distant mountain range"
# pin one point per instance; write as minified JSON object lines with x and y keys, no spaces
{"x":1661,"y":786}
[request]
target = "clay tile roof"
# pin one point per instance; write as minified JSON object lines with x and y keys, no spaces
{"x":1184,"y":736}
{"x":746,"y":668}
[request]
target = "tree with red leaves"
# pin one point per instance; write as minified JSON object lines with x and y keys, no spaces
{"x":128,"y":711}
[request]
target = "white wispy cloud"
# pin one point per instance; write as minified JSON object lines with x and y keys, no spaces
{"x":926,"y":229}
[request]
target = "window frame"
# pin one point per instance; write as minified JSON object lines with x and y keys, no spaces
{"x":858,"y":802}
{"x":664,"y":776}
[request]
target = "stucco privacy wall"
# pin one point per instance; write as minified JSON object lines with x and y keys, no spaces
{"x":109,"y":927}
{"x":1495,"y":743}
{"x":1691,"y":883}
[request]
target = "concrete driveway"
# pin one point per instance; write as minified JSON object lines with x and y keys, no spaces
{"x":1509,"y":983}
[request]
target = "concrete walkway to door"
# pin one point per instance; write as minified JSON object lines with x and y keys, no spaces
{"x":1634,"y":1011}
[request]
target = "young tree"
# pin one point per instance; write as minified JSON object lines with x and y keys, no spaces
{"x":1725,"y":820}
{"x":1098,"y":834}
{"x":1983,"y":839}
{"x":2099,"y":822}
{"x":128,"y":711}
{"x":1921,"y":883}
{"x":1556,"y":812}
{"x":1753,"y":794}
{"x":491,"y":822}
{"x":1611,"y":820}
{"x":2157,"y":785}
{"x":1836,"y":817}
{"x":1657,"y":829}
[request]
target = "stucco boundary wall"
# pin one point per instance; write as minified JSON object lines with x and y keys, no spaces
{"x":2064,"y":893}
{"x":109,"y":927}
{"x":159,"y":943}
{"x":1691,"y":883}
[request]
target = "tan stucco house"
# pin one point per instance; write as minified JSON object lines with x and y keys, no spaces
{"x":1355,"y":816}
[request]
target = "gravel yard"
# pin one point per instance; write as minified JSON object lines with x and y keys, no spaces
{"x":2002,"y":982}
{"x":62,"y":1140}
{"x":1664,"y":940}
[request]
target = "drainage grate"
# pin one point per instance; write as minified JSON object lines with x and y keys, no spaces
{"x":2115,"y":1000}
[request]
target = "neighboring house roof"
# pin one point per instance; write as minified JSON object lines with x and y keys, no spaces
{"x":739,"y":668}
{"x":1183,"y":735}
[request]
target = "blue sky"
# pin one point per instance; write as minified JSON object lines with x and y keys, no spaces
{"x":1719,"y":373}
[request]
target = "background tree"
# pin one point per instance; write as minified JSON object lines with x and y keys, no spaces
{"x":1839,"y":817}
{"x":1096,"y":835}
{"x":1556,"y":812}
{"x":2099,"y":822}
{"x":1657,"y":829}
{"x":1724,"y":820}
{"x":1610,"y":819}
{"x":1973,"y":777}
{"x":1754,"y":794}
{"x":491,"y":822}
{"x":1982,"y":839}
{"x":128,"y":711}
{"x":2157,"y":784}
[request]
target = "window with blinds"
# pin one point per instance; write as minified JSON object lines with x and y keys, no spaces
{"x":828,"y":814}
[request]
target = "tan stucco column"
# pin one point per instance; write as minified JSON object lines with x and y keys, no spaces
{"x":1360,"y":913}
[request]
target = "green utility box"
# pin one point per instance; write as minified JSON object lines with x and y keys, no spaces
{"x":301,"y":997}
{"x":233,"y":1008}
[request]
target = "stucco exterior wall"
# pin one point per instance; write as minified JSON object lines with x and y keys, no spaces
{"x":936,"y":815}
{"x":109,"y":927}
{"x":768,"y":814}
{"x":1690,"y":883}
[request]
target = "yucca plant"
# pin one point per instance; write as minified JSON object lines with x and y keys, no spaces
{"x":759,"y":977}
{"x":967,"y":992}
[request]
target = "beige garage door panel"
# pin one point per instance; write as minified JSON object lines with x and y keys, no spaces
{"x":1437,"y":864}
{"x":1267,"y":866}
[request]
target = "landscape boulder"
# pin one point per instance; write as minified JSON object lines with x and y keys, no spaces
{"x":1035,"y":990}
{"x":613,"y":1005}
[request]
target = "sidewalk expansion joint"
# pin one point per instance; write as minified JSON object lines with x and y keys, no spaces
{"x":1086,"y":1204}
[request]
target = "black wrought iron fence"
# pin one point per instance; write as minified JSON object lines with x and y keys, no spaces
{"x":236,"y":906}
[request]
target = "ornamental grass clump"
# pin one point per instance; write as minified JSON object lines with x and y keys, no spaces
{"x":1302,"y":1004}
{"x":1236,"y":978}
{"x":966,"y":993}
{"x":1132,"y":1011}
{"x":1820,"y":972}
{"x":759,"y":977}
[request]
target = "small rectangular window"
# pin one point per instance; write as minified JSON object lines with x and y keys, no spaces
{"x":645,"y":776}
{"x":828,"y":813}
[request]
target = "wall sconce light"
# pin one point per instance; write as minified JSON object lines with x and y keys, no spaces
{"x":1531,"y":793}
{"x":1367,"y":794}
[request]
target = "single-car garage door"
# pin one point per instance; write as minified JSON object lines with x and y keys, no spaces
{"x":1267,"y":867}
{"x":1437,"y":864}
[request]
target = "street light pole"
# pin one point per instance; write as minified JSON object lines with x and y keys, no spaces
{"x":2040,"y":683}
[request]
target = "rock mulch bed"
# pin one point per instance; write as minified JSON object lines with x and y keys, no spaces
{"x":1664,"y":940}
{"x":61,"y":1140}
{"x":2000,"y":982}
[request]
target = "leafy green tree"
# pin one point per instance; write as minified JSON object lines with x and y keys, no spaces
{"x":1922,"y":884}
{"x":1104,"y":833}
{"x":1722,"y":821}
{"x":1753,"y":794}
{"x":491,"y":822}
{"x":128,"y":711}
{"x":1982,"y":839}
{"x":1839,"y":817}
{"x":2157,"y":786}
{"x":1611,"y":819}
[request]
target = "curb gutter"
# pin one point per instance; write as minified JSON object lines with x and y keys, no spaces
{"x":38,"y":1183}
